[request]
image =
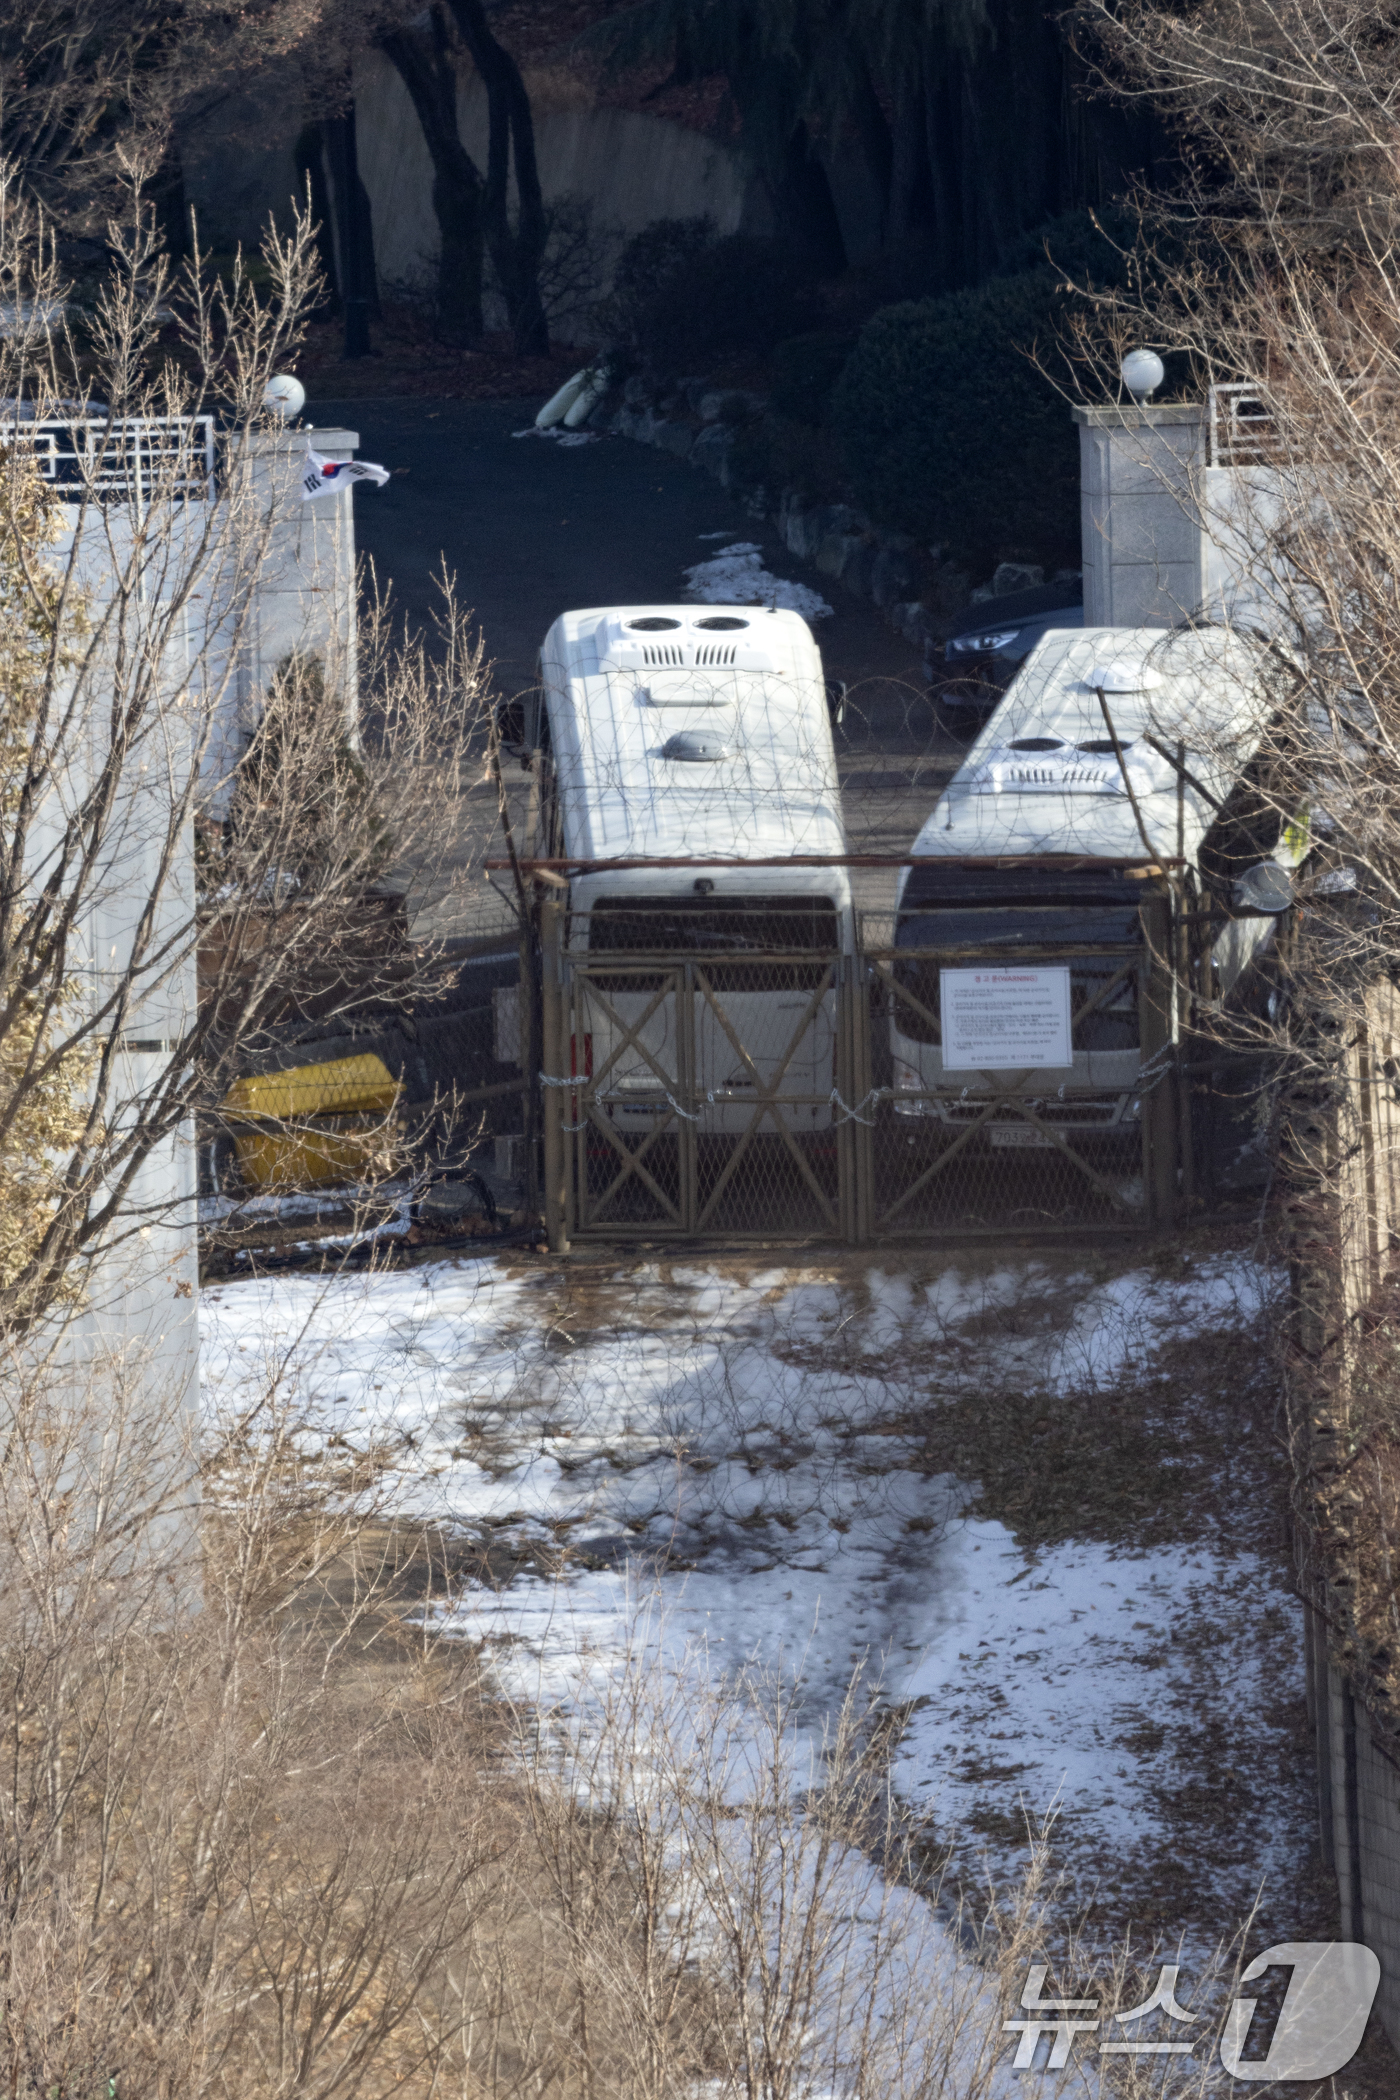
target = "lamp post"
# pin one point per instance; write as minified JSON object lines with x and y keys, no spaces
{"x":1143,"y":372}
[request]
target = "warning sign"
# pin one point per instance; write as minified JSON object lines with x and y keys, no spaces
{"x":1005,"y":1020}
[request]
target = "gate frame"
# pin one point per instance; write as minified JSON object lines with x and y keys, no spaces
{"x":1165,"y":1105}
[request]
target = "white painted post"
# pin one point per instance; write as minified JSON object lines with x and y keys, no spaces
{"x":306,"y":586}
{"x":1139,"y":530}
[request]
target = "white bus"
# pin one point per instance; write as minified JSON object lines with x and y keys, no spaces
{"x":697,"y":734}
{"x":1114,"y":746}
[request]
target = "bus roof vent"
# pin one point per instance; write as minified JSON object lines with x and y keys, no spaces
{"x":695,"y":747}
{"x":701,"y":635}
{"x":1121,"y":674}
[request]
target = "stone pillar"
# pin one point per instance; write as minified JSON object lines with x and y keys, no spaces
{"x":306,"y":585}
{"x":1143,"y":553}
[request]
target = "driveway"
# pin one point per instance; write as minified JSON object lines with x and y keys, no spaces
{"x":531,"y":528}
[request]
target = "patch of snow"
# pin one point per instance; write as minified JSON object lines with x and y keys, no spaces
{"x":737,"y":577}
{"x":1062,"y":1681}
{"x":558,"y":435}
{"x":720,"y":1460}
{"x":307,"y":1203}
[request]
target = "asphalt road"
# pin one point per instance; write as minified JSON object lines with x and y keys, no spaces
{"x":530,"y":529}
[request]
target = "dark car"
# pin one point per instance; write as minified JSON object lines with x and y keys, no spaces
{"x":990,"y":643}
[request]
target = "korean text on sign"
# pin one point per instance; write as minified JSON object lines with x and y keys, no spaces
{"x":1005,"y":1020}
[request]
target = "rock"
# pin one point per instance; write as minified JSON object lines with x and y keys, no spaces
{"x":893,"y":575}
{"x":837,"y":552}
{"x":711,"y":449}
{"x":793,"y":525}
{"x":728,"y":405}
{"x":674,"y":437}
{"x":859,"y":567}
{"x":636,"y":392}
{"x":1011,"y":576}
{"x":913,"y":622}
{"x":806,"y":528}
{"x":945,"y":594}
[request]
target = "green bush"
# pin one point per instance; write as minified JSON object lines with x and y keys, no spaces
{"x":777,"y":452}
{"x":1078,"y":245}
{"x":805,"y":369}
{"x":949,"y":432}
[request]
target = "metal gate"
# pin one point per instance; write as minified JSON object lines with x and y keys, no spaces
{"x":760,"y":1096}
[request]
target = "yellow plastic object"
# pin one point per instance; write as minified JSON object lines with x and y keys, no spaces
{"x":337,"y":1113}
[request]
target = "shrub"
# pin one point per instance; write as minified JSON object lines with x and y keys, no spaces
{"x":805,"y":369}
{"x":1078,"y":245}
{"x":777,"y":452}
{"x":647,"y":261}
{"x":734,"y":299}
{"x":950,"y":432}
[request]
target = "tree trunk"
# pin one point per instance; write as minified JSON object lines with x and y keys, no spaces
{"x":516,"y":251}
{"x":911,"y":204}
{"x":168,"y":200}
{"x":877,"y":144}
{"x":805,"y":205}
{"x":457,"y":185}
{"x":356,"y":233}
{"x":943,"y":114}
{"x":310,"y":157}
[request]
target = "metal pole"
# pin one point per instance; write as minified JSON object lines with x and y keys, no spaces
{"x":1181,"y":1009}
{"x":843,"y":1079}
{"x":1159,"y":1113}
{"x":553,"y":1067}
{"x":854,"y":1153}
{"x":530,"y":1053}
{"x":552,"y":1062}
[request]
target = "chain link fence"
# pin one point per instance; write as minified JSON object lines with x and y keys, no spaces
{"x":771,"y":1073}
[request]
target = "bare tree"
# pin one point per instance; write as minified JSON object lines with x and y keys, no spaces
{"x":1276,"y":281}
{"x":425,"y":66}
{"x":84,"y":83}
{"x":129,"y":602}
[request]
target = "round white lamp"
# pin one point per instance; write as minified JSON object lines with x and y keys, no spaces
{"x":284,"y":397}
{"x":1143,"y":372}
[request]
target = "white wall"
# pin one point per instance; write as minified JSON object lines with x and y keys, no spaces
{"x":1163,"y":534}
{"x":632,"y":169}
{"x":138,"y":1327}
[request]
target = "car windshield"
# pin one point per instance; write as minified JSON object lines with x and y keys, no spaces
{"x":739,"y":925}
{"x":1020,"y":927}
{"x":1103,"y":992}
{"x":674,"y":928}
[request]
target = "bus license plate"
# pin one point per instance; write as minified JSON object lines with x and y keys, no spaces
{"x":1017,"y":1137}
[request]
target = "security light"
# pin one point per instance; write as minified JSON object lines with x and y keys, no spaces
{"x":284,"y":397}
{"x":1143,"y":372}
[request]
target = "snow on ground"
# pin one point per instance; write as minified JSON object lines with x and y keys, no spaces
{"x":558,"y":435}
{"x":736,"y":576}
{"x":1059,"y":1674}
{"x":721,"y":1457}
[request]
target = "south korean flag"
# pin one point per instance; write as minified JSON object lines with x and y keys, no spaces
{"x":327,"y":477}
